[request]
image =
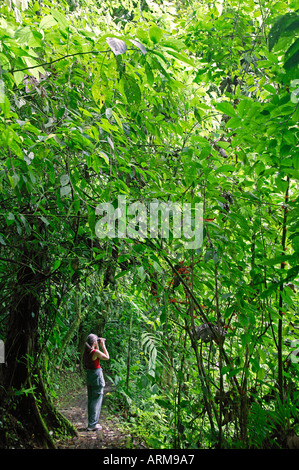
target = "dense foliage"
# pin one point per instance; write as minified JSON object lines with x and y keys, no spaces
{"x":182,"y":101}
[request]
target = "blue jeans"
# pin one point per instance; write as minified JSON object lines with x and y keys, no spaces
{"x":95,"y":391}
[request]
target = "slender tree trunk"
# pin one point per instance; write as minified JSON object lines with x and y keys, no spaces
{"x":279,"y":340}
{"x":221,"y":388}
{"x":179,"y":426}
{"x":207,"y":395}
{"x":129,"y":354}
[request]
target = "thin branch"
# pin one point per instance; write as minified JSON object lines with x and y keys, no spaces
{"x":64,"y":57}
{"x":57,"y":60}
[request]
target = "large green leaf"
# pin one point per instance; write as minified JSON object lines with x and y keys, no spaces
{"x":60,"y":18}
{"x":226,"y":108}
{"x":285,"y":25}
{"x":155,"y":34}
{"x":292,"y":56}
{"x":131,"y":89}
{"x":47,"y":22}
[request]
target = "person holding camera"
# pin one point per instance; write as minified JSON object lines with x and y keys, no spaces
{"x":92,"y":358}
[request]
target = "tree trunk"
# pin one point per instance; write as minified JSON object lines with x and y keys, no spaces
{"x":25,"y":398}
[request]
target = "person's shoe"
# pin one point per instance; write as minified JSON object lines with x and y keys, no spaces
{"x":97,"y":427}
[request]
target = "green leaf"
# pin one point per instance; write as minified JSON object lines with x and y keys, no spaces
{"x":141,"y":273}
{"x":182,"y":57}
{"x":292,"y":49}
{"x":149,"y":74}
{"x":96,"y":92}
{"x":155,"y":34}
{"x":18,"y":77}
{"x":47,"y":22}
{"x":8,"y":135}
{"x":57,"y":264}
{"x":60,"y":18}
{"x":131,"y":89}
{"x":261,"y":373}
{"x":234,"y":372}
{"x":226,"y":108}
{"x":24,"y":34}
{"x":33,"y":63}
{"x":283,"y":25}
{"x":104,"y":156}
{"x":46,"y":222}
{"x":280,"y":259}
{"x":2,"y":241}
{"x":26,"y":224}
{"x":293,"y":61}
{"x":176,"y":44}
{"x":4,"y":62}
{"x":4,"y":104}
{"x":91,"y":219}
{"x":234,"y":123}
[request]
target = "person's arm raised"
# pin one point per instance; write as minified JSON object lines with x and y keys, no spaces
{"x":105,"y":352}
{"x":103,"y":355}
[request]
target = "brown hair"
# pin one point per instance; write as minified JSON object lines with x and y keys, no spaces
{"x":90,"y":340}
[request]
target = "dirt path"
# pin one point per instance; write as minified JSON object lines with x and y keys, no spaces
{"x":111,"y":436}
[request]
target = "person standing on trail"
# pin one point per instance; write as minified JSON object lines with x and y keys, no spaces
{"x":94,"y":378}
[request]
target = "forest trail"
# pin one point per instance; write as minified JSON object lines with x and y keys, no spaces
{"x":111,"y":436}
